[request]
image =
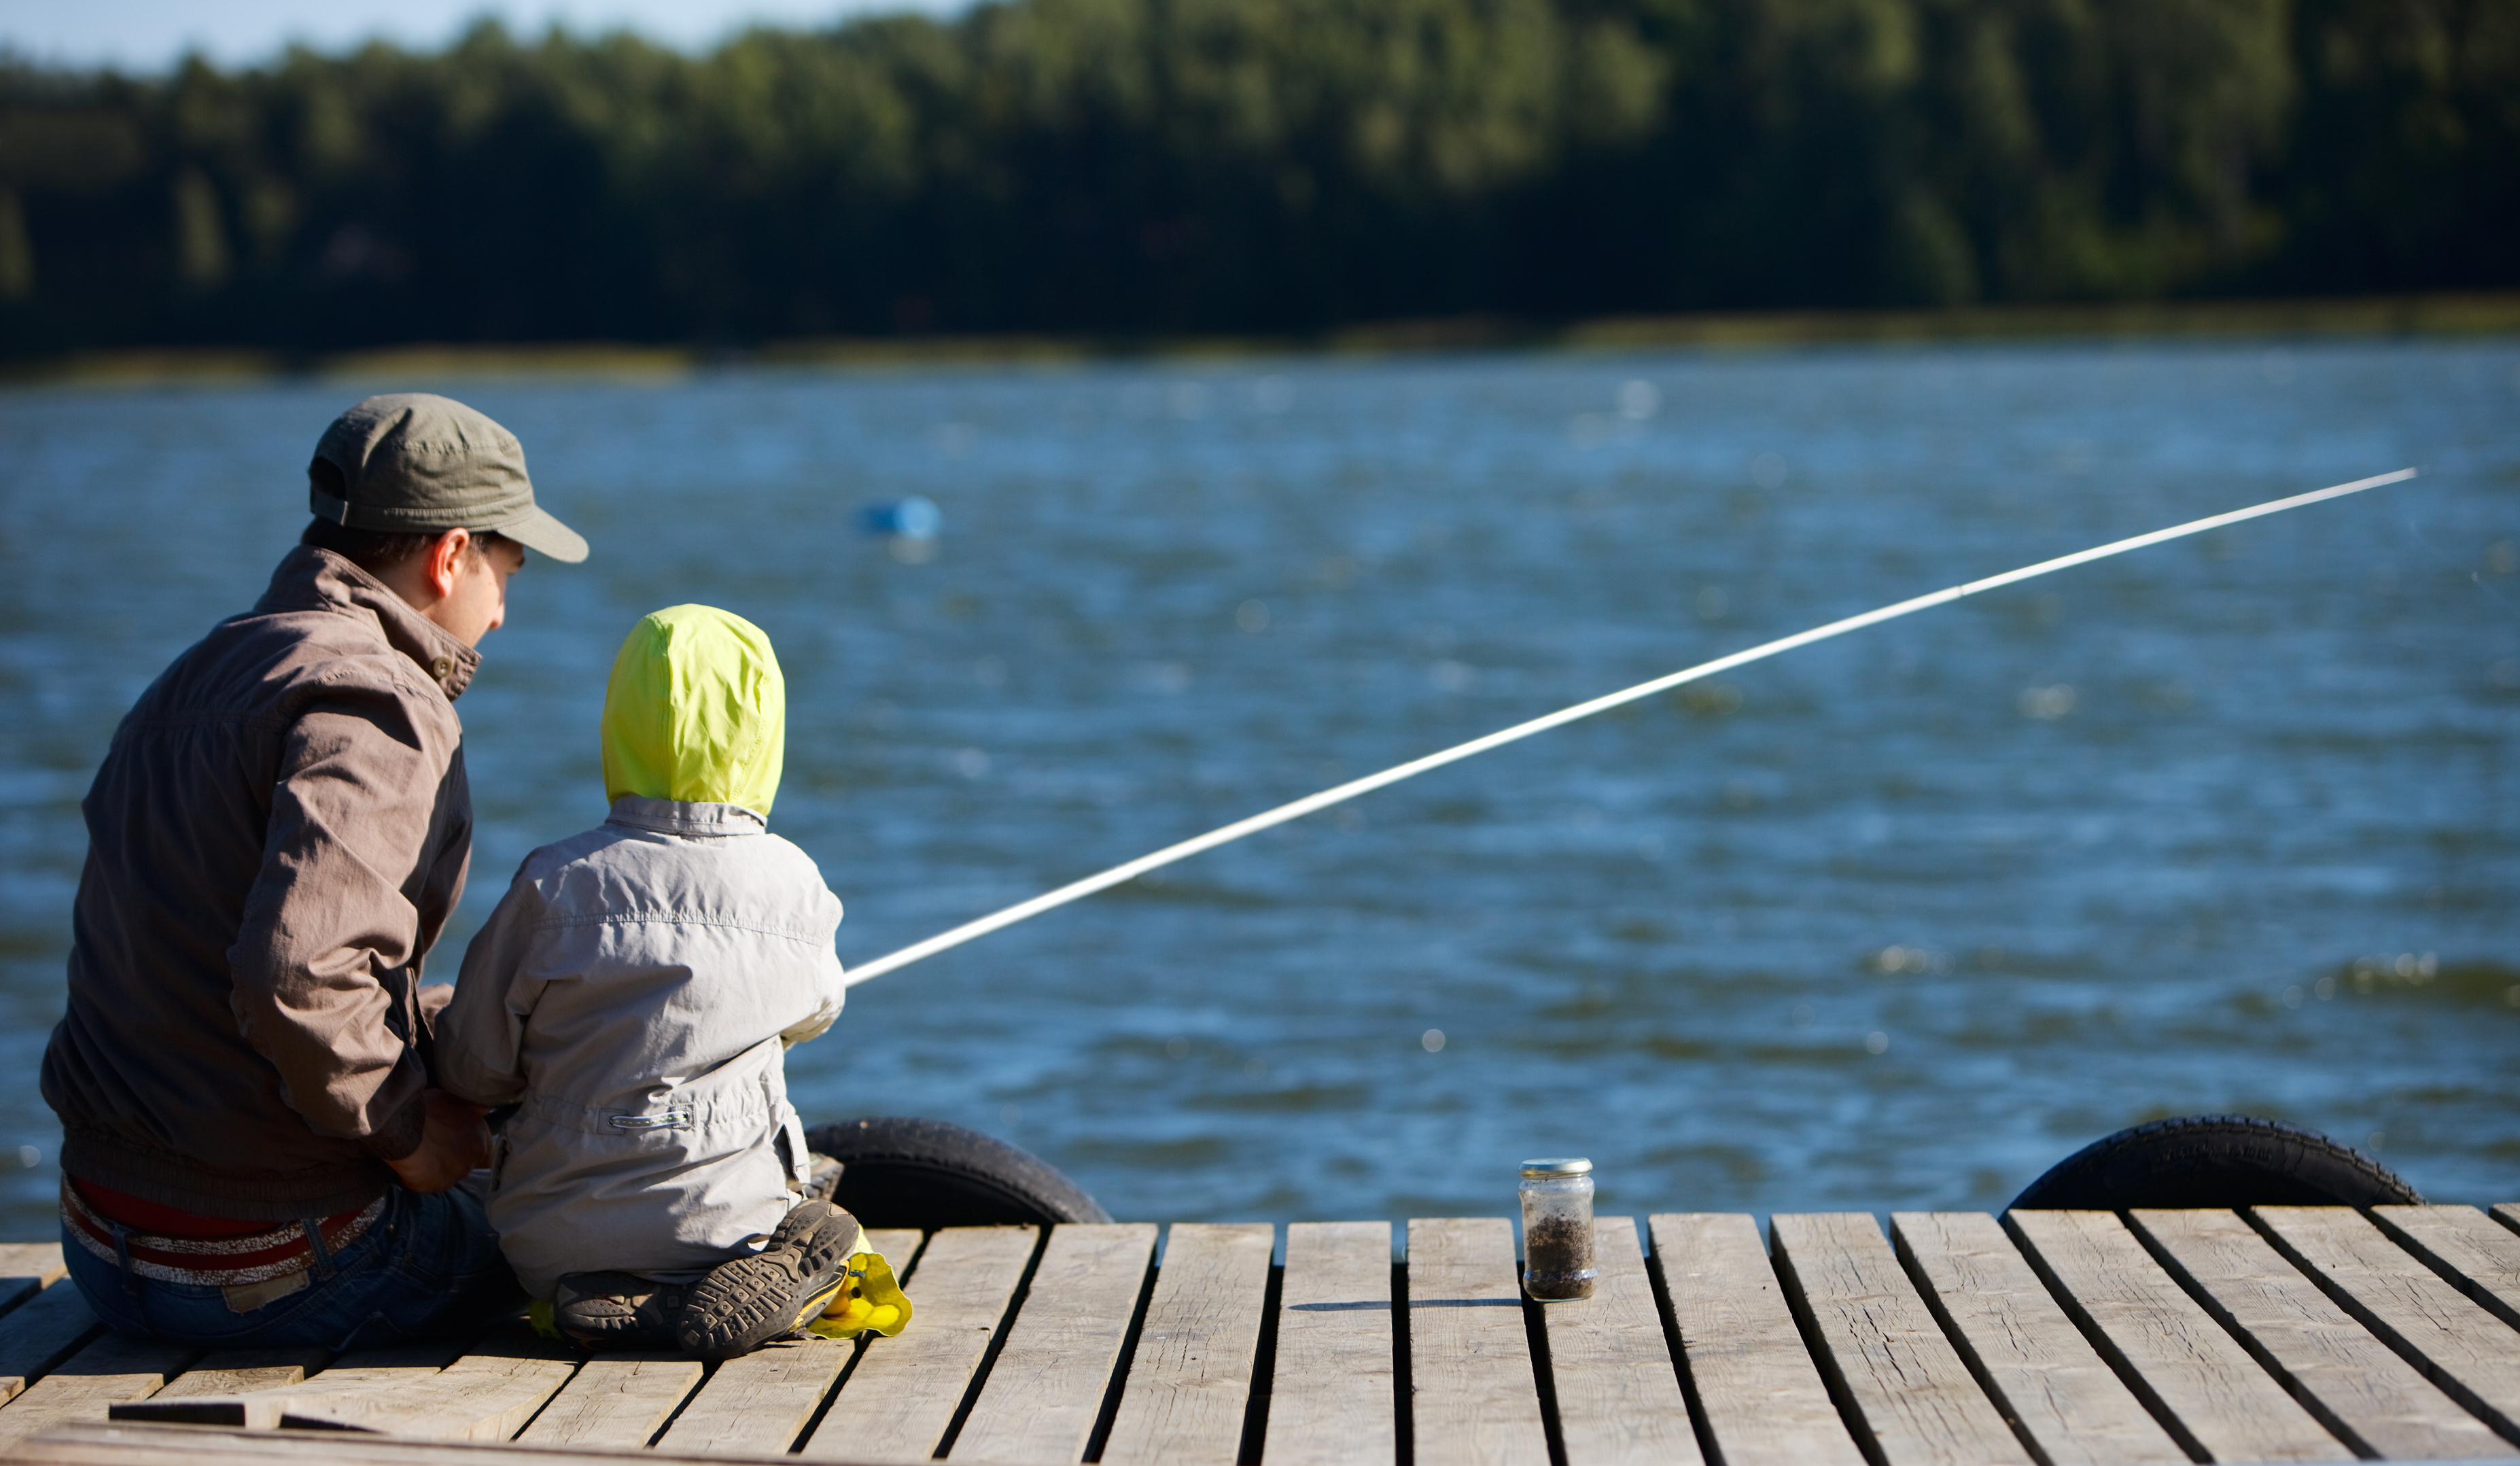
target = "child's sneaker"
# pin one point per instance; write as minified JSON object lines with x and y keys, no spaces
{"x":824,"y":1177}
{"x":618,"y":1311}
{"x":744,"y":1304}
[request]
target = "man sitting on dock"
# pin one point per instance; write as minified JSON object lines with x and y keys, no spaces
{"x":253,"y":1153}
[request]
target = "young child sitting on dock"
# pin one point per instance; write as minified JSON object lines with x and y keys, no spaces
{"x":633,"y":996}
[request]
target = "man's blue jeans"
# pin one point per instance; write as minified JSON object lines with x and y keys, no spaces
{"x":429,"y":1269}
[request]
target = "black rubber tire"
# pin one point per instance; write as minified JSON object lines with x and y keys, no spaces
{"x":2221,"y":1161}
{"x":930,"y":1173}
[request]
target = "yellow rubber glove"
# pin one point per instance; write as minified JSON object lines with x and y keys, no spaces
{"x":871,"y":1301}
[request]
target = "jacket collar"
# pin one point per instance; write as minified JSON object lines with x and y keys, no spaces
{"x":684,"y":817}
{"x":313,"y":579}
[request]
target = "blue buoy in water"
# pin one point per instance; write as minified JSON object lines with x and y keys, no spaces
{"x":907,"y":526}
{"x":912,"y":518}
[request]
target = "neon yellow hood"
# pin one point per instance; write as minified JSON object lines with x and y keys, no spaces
{"x":696,"y":711}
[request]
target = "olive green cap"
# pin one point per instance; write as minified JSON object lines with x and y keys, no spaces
{"x":411,"y":462}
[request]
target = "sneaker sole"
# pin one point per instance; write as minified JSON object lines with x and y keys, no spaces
{"x":749,"y":1302}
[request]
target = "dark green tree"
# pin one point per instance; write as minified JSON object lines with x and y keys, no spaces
{"x":1126,"y":167}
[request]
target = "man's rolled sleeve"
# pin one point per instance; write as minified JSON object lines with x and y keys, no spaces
{"x":329,"y":931}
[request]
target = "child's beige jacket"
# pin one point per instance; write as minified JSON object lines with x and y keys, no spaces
{"x":633,"y":992}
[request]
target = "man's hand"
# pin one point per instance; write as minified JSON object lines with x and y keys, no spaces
{"x":455,"y":1142}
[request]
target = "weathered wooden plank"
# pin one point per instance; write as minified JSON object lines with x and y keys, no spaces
{"x":1760,"y":1392}
{"x":399,"y":1363}
{"x":1882,"y":1348}
{"x":897,"y":1402}
{"x":40,"y":1333}
{"x":614,"y":1401}
{"x":2481,"y":1258}
{"x":25,"y":1267}
{"x":2213,"y":1395}
{"x":1473,"y":1395}
{"x":1044,"y":1392}
{"x":238,"y":1371}
{"x":2469,"y":1353}
{"x":1618,"y":1391}
{"x":116,"y":1367}
{"x":2356,"y":1384}
{"x":2507,"y":1213}
{"x":324,"y":1401}
{"x":899,"y":1246}
{"x":1331,"y":1401}
{"x":759,"y":1402}
{"x":2041,"y":1371}
{"x":486,"y":1395}
{"x":144,"y":1445}
{"x":1190,"y":1379}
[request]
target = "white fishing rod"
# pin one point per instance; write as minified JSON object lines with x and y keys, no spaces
{"x":1077,"y":890}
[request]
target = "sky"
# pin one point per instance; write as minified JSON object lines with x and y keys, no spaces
{"x":149,"y":35}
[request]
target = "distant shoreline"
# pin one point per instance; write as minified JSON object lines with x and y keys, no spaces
{"x":2439,"y":315}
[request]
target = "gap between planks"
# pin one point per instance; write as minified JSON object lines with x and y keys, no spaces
{"x":1903,"y":1383}
{"x":2469,"y":1353}
{"x":1331,"y":1401}
{"x":902,"y":1395}
{"x":2048,"y":1381}
{"x":1762,"y":1396}
{"x":2197,"y":1378}
{"x":117,"y":1368}
{"x":2356,"y":1384}
{"x":2464,"y":1246}
{"x":1616,"y":1388}
{"x":1189,"y":1386}
{"x":42,"y":1330}
{"x":1044,"y":1394}
{"x":2412,"y":1273}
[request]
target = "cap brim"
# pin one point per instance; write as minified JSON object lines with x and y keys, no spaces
{"x":539,"y":532}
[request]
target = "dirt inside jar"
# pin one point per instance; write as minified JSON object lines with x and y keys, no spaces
{"x":1557,"y":1258}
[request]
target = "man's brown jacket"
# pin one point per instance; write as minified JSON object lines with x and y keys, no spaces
{"x":277,"y":833}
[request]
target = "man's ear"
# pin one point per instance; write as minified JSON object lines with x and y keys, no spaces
{"x":446,"y":561}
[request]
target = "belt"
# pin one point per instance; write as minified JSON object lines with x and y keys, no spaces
{"x":215,"y":1261}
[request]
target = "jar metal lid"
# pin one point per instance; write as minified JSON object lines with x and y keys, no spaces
{"x":1559,"y":1165}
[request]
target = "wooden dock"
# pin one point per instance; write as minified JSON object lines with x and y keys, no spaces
{"x":1953,"y":1339}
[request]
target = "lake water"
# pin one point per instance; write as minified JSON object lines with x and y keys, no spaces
{"x":1899,"y":921}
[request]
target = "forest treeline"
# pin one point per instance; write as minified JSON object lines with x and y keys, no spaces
{"x":1166,"y":167}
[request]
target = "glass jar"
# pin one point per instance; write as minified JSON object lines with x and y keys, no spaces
{"x":1558,"y":1229}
